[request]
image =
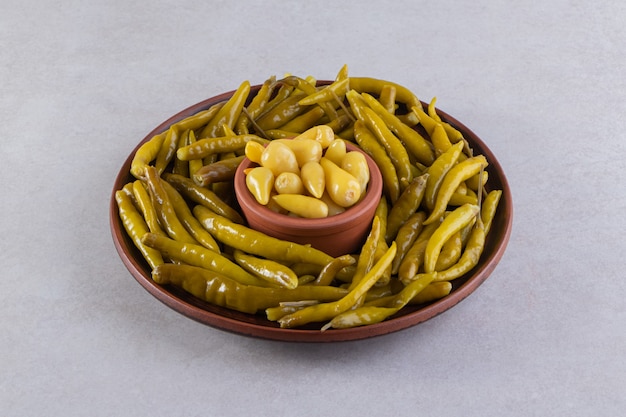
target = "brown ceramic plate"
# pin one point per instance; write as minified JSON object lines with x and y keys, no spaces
{"x":258,"y":325}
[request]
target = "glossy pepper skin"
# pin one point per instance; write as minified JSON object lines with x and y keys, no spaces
{"x":419,"y":146}
{"x":437,"y":171}
{"x":407,"y":204}
{"x":366,"y":140}
{"x":203,"y":196}
{"x":251,"y":241}
{"x":375,"y":86}
{"x":475,"y":241}
{"x":196,"y":255}
{"x":228,"y":114}
{"x":165,"y":209}
{"x":326,"y":311}
{"x":368,"y":251}
{"x":222,"y":291}
{"x":451,"y":224}
{"x":136,"y":227}
{"x":270,"y":271}
{"x":455,"y":176}
{"x":369,"y":314}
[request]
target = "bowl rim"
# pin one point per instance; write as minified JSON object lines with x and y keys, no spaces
{"x":258,"y":326}
{"x":339,"y":222}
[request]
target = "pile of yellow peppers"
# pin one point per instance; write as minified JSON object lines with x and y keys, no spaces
{"x":312,"y":175}
{"x":429,"y":229}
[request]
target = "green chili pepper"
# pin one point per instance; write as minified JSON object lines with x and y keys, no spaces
{"x":146,"y":154}
{"x":164,"y":208}
{"x":282,"y":112}
{"x":286,"y":89}
{"x":347,"y":133}
{"x":279,"y":134}
{"x":375,"y":86}
{"x":128,"y":190}
{"x":357,"y":103}
{"x":305,"y":121}
{"x":469,"y":258}
{"x":326,"y":311}
{"x":451,"y":224}
{"x":216,"y":145}
{"x":370,"y":145}
{"x":146,"y":208}
{"x":327,"y":106}
{"x":455,"y":176}
{"x":194,"y":164}
{"x":458,"y":199}
{"x":409,"y":292}
{"x":477,"y":181}
{"x":136,"y":227}
{"x":396,"y":151}
{"x":382,"y":212}
{"x":335,"y":90}
{"x":407,"y":204}
{"x":200,"y":256}
{"x":228,"y":114}
{"x":284,"y":308}
{"x":306,"y":279}
{"x":488,"y":208}
{"x":433,"y":291}
{"x":189,"y":222}
{"x":341,"y":122}
{"x":220,"y":171}
{"x":414,"y":258}
{"x":222,"y":291}
{"x":246,"y":239}
{"x":360,"y":316}
{"x":425,"y":120}
{"x":365,"y":315}
{"x":303,"y":268}
{"x":203,"y":196}
{"x":342,"y":74}
{"x":199,"y":119}
{"x":181,"y":167}
{"x":440,"y":139}
{"x":385,"y":277}
{"x":256,"y":106}
{"x":437,"y":172}
{"x":450,"y":252}
{"x":406,"y":236}
{"x":419,"y":147}
{"x":387,"y":98}
{"x":267,"y":270}
{"x":475,"y":241}
{"x":330,"y":270}
{"x":453,"y":134}
{"x":368,"y":251}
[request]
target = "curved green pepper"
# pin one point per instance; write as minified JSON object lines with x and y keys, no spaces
{"x":326,"y":311}
{"x":203,"y":196}
{"x":222,"y":291}
{"x":267,"y":270}
{"x":228,"y":113}
{"x":200,"y":256}
{"x":252,"y":241}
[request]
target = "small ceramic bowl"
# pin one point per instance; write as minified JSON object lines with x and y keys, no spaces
{"x":336,"y":235}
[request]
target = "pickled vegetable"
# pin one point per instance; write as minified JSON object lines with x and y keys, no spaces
{"x":430,"y":226}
